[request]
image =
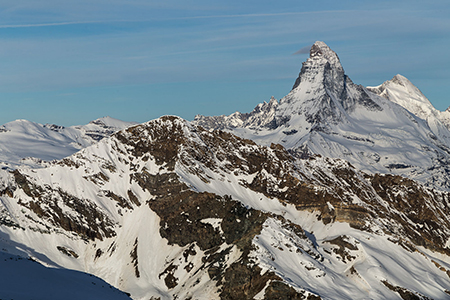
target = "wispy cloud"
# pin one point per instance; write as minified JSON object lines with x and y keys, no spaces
{"x":176,"y":18}
{"x":262,"y":14}
{"x":48,"y":24}
{"x":304,"y":50}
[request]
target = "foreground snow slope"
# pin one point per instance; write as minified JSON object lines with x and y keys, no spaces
{"x":22,"y":278}
{"x":326,"y":113}
{"x":170,"y":210}
{"x":28,"y":143}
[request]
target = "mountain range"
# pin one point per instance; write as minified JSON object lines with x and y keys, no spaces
{"x":336,"y":191}
{"x":390,"y":129}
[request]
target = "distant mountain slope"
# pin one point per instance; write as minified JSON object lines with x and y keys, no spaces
{"x":401,"y":91}
{"x":170,"y":210}
{"x":326,"y":113}
{"x":25,"y":142}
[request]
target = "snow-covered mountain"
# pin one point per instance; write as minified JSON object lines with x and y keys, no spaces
{"x":28,"y":143}
{"x":170,"y":210}
{"x":336,"y":191}
{"x":326,"y":113}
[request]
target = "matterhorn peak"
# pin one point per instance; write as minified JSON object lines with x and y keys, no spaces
{"x":322,"y":63}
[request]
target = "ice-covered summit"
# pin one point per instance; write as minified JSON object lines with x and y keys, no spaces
{"x":404,"y":93}
{"x":322,"y":61}
{"x":322,"y":94}
{"x":401,"y":91}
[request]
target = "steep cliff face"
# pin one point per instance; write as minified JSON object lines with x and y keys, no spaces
{"x":326,"y":113}
{"x":167,"y":209}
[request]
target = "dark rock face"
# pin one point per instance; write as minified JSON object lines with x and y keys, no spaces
{"x":405,"y":294}
{"x":182,"y":211}
{"x":293,"y":187}
{"x":90,"y":222}
{"x":278,"y":291}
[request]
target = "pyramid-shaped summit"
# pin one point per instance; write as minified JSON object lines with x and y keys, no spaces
{"x":322,"y":93}
{"x":321,"y":59}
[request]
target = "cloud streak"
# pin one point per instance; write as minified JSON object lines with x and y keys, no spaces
{"x":262,"y":15}
{"x":176,"y":18}
{"x":48,"y":24}
{"x":304,"y":50}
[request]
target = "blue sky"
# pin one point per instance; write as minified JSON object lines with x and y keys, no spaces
{"x":69,"y":62}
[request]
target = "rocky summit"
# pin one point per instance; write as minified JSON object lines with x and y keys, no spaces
{"x":336,"y":191}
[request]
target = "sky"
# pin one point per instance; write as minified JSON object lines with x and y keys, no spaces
{"x":69,"y":62}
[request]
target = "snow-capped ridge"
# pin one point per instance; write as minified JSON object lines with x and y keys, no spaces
{"x":110,"y":122}
{"x":21,"y":139}
{"x":261,"y":116}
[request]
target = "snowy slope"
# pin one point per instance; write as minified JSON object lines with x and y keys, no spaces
{"x":22,"y":278}
{"x":170,"y":210}
{"x":326,"y":113}
{"x":25,"y":142}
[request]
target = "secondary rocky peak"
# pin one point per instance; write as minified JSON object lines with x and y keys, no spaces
{"x":403,"y":92}
{"x":397,"y":83}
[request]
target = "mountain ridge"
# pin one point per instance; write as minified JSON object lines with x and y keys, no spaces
{"x":209,"y":214}
{"x":30,"y":143}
